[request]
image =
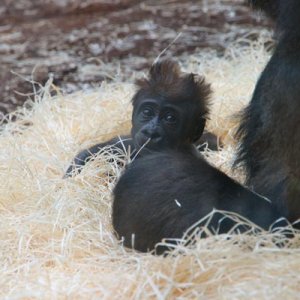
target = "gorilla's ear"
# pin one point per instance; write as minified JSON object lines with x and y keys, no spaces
{"x":199,"y":130}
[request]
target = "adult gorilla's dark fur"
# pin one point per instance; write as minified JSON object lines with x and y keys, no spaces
{"x":270,"y":127}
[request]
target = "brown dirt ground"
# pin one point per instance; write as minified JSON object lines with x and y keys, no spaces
{"x":73,"y":40}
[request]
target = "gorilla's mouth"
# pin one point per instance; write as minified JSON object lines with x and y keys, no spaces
{"x":142,"y":142}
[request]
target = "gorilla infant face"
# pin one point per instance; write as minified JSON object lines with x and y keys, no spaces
{"x":159,"y":123}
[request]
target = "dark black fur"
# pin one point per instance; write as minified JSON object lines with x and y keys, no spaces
{"x":161,"y":195}
{"x":169,"y":111}
{"x":270,"y":127}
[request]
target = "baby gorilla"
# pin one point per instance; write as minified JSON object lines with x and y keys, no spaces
{"x":162,"y":194}
{"x":169,"y":111}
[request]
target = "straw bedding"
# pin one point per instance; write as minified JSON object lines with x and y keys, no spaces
{"x":56,"y":235}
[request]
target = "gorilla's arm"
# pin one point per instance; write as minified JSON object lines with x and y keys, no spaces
{"x":117,"y":145}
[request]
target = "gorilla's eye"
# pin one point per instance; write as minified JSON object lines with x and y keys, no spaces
{"x":147,"y":112}
{"x":170,"y":118}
